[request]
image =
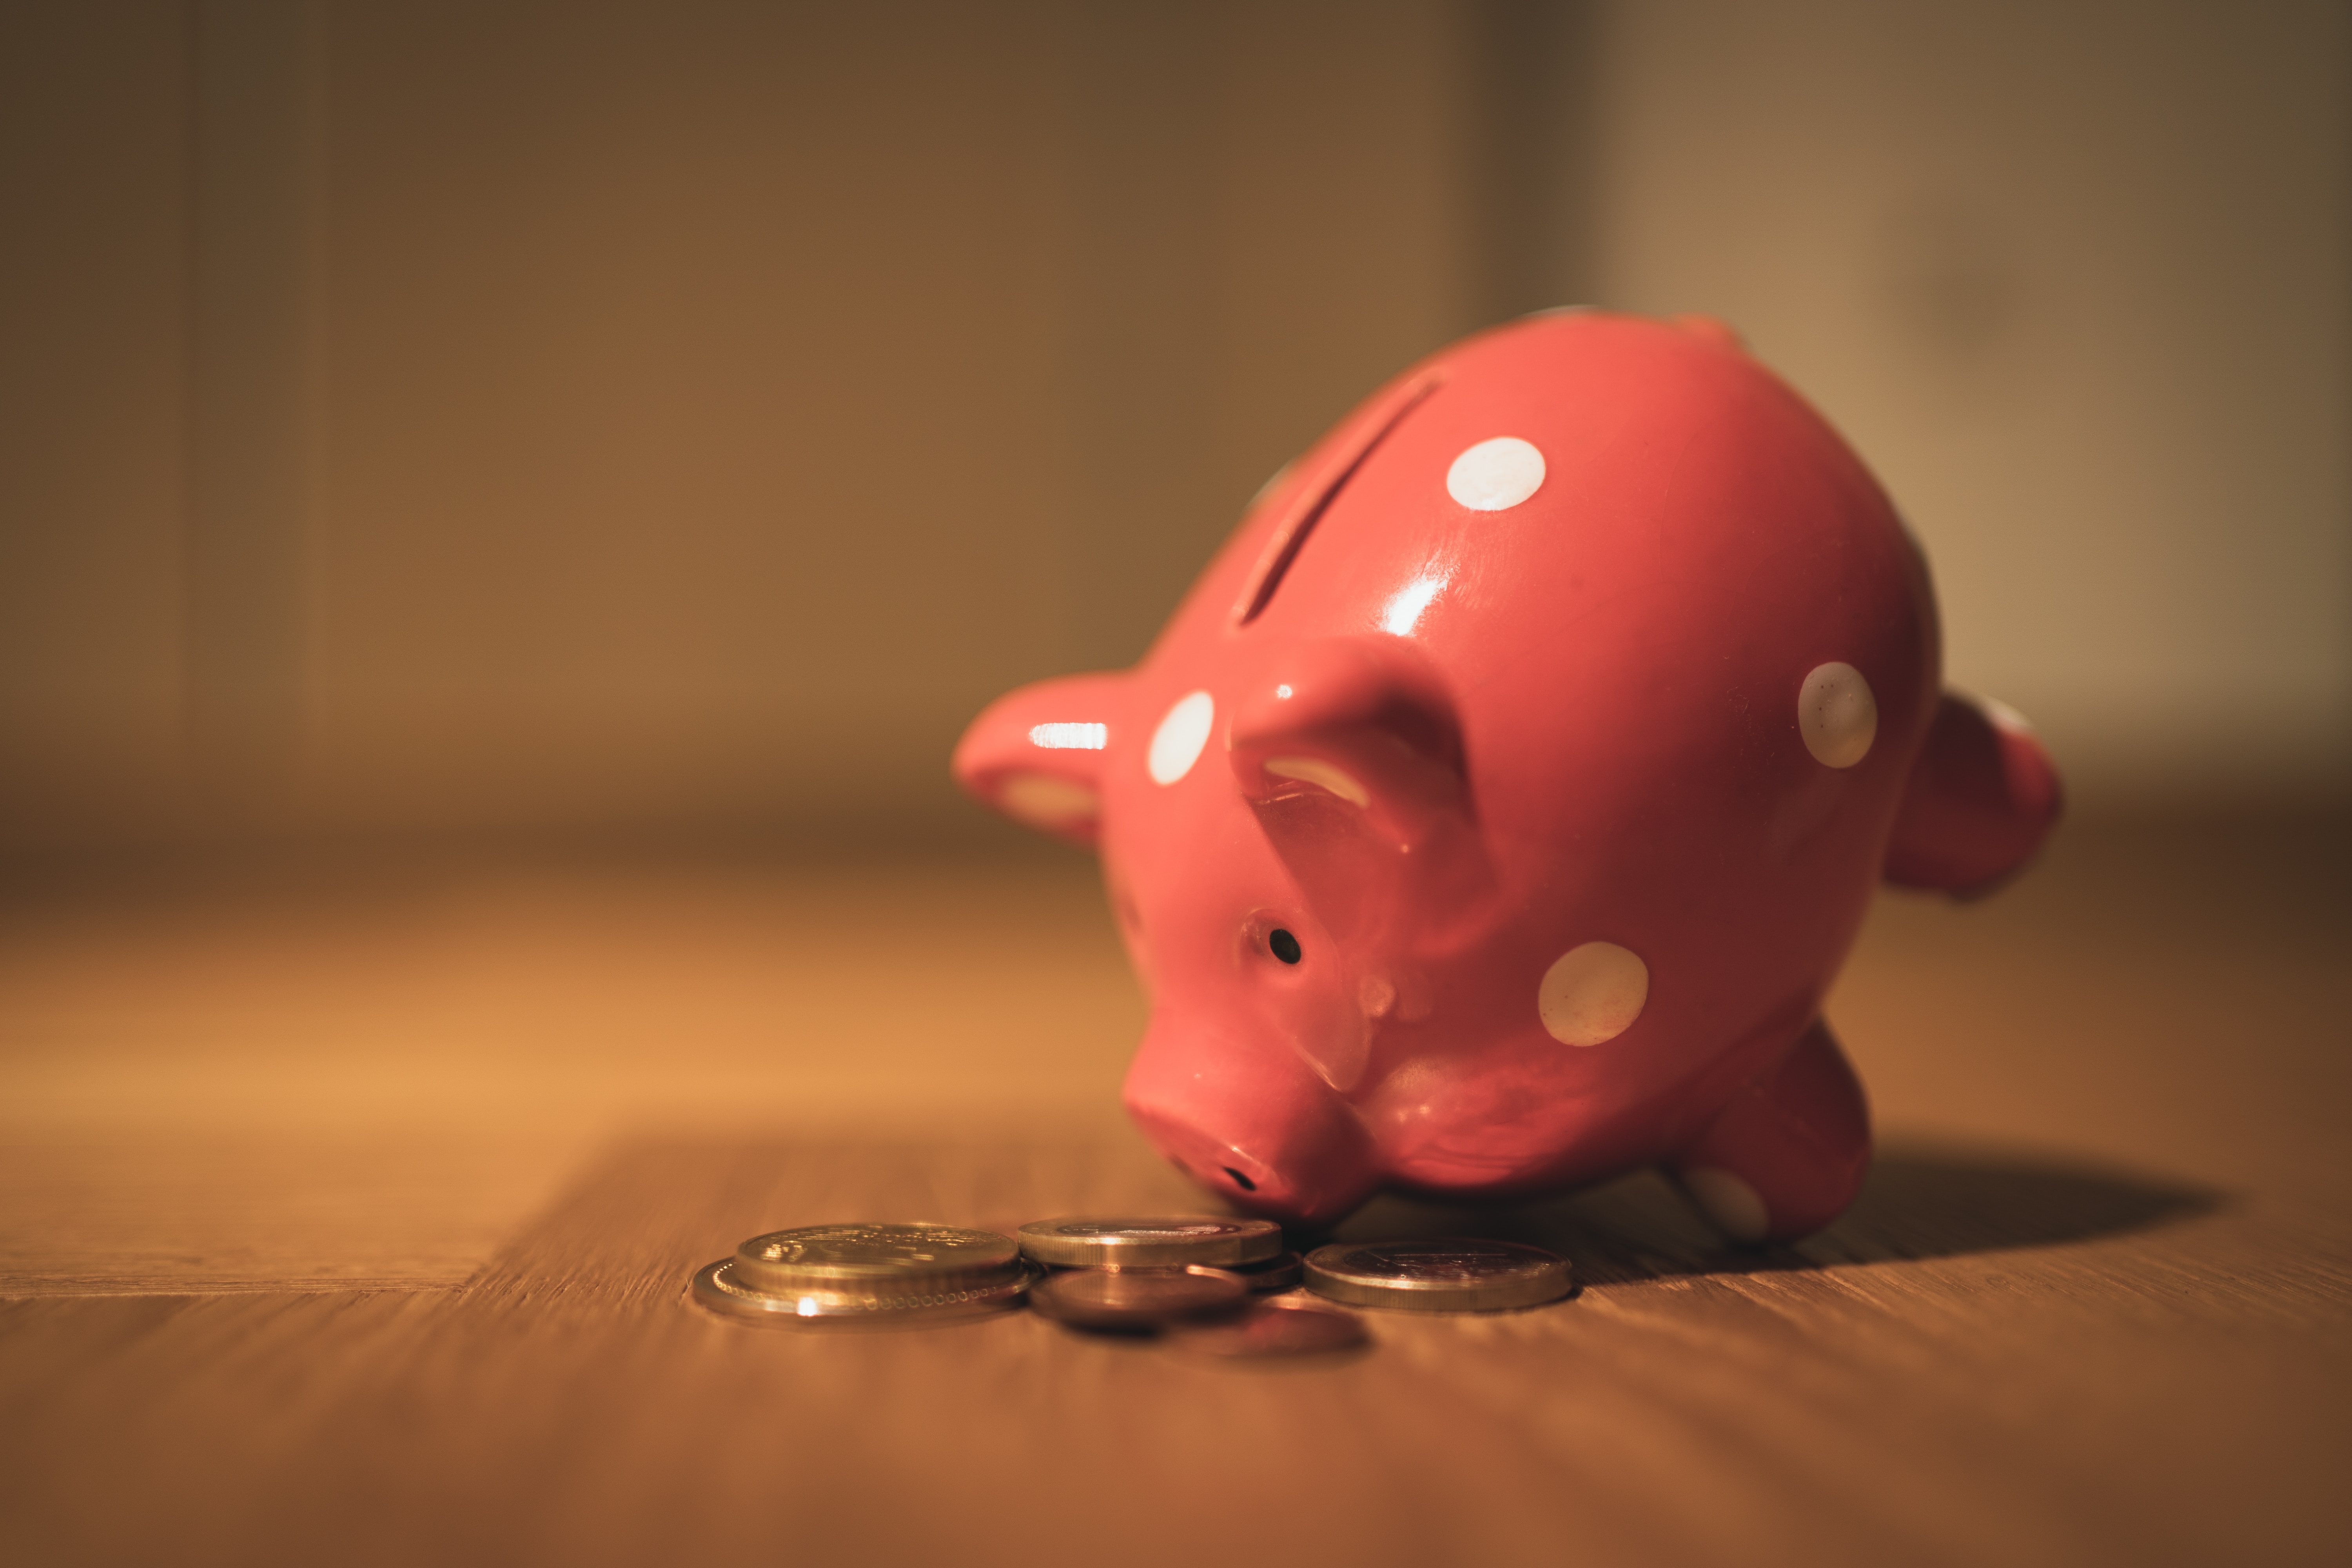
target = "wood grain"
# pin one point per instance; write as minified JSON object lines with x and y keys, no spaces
{"x":2096,"y":1304}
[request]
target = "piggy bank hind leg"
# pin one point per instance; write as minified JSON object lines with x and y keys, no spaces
{"x":1788,"y":1153}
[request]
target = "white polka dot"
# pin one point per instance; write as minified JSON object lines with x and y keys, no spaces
{"x":1837,"y":715}
{"x":1497,"y":475}
{"x":1042,"y":800}
{"x":1592,"y":992}
{"x":1730,"y":1202}
{"x":1177,"y":743}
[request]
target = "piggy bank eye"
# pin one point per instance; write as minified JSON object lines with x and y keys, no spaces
{"x":1283,"y":945}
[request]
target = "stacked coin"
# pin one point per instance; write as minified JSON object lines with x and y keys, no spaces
{"x":1136,"y":1301}
{"x":1444,"y":1274}
{"x":1209,"y":1280}
{"x":828,"y":1274}
{"x":1283,"y":1271}
{"x":1083,"y":1241}
{"x":1135,"y":1275}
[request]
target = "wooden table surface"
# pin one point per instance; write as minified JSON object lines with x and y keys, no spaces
{"x":346,"y":1217}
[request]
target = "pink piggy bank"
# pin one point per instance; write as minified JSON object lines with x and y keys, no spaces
{"x":1499,"y":804}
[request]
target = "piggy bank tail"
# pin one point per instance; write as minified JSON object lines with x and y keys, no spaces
{"x":1982,"y":796}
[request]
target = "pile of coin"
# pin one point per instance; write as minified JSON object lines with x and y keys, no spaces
{"x":830,"y":1274}
{"x":1211,"y":1284}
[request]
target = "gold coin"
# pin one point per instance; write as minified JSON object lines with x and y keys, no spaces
{"x":1082,"y":1241}
{"x":718,"y":1287}
{"x":1444,"y":1274}
{"x":878,"y":1262}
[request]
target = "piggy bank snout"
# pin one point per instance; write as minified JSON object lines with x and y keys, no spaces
{"x":1249,"y":1121}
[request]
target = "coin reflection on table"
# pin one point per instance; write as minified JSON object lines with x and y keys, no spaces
{"x":1441,"y":1274}
{"x":1169,"y":1241}
{"x":1135,"y":1299}
{"x":1287,"y":1326}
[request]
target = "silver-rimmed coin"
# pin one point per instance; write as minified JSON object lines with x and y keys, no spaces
{"x":1136,"y":1299}
{"x":1086,"y":1241}
{"x":1442,"y":1274}
{"x":875,"y":1262}
{"x":1280,"y":1272}
{"x":1291,"y":1326}
{"x":718,"y":1287}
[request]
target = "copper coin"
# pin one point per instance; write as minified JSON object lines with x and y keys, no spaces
{"x":1442,"y":1274}
{"x":1135,"y":1298}
{"x":1084,"y":1241}
{"x":1288,"y":1327}
{"x":1278,"y":1273}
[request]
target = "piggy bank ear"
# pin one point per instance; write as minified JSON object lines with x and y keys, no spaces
{"x":1981,"y":798}
{"x":1363,"y":723}
{"x":1036,"y":754}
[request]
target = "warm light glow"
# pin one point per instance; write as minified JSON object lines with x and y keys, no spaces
{"x":1315,"y":770}
{"x":1042,"y":800}
{"x":808,"y":1306}
{"x":1070,"y":737}
{"x":1403,"y":612}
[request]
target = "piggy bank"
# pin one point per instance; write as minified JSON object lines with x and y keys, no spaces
{"x":1502,"y":800}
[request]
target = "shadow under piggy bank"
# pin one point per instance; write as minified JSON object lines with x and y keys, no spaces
{"x":1920,"y":1202}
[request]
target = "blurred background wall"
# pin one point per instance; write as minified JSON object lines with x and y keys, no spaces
{"x":427,"y":417}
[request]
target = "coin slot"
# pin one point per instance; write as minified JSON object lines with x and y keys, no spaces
{"x":1284,"y":946}
{"x":1243,"y":1182}
{"x":1290,"y":534}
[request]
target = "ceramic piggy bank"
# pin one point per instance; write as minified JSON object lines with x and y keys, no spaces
{"x":1498,"y":807}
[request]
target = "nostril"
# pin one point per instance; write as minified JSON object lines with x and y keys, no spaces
{"x":1243,"y":1182}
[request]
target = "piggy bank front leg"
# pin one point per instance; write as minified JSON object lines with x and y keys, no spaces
{"x":1788,"y":1153}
